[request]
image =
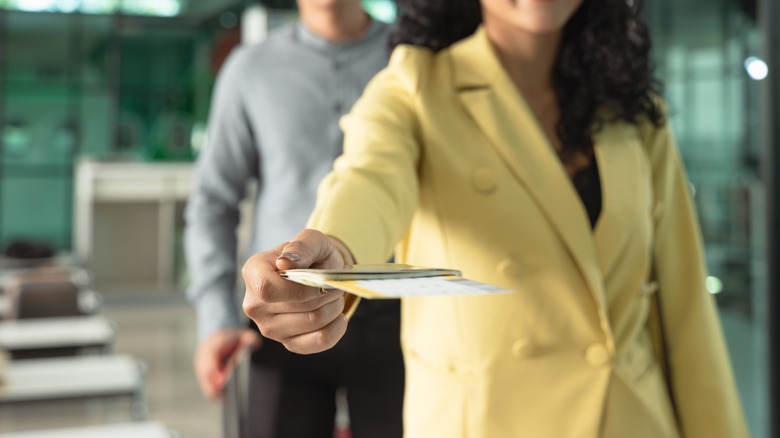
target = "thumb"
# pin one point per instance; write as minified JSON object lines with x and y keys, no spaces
{"x":310,"y":249}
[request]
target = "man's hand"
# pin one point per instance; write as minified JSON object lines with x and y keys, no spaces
{"x":216,"y":356}
{"x":304,"y":319}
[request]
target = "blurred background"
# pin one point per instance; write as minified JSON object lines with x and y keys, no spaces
{"x":103,"y":107}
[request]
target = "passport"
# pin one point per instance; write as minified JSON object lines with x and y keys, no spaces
{"x":391,"y":280}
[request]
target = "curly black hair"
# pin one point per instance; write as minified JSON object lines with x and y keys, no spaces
{"x":602,"y":73}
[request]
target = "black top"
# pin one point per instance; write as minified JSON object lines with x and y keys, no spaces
{"x":588,"y":185}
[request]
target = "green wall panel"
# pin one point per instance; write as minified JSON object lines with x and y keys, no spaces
{"x":37,"y":208}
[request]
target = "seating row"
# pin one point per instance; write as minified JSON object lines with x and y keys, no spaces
{"x":62,"y":350}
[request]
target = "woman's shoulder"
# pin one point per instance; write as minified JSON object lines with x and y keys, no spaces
{"x":649,"y":129}
{"x":657,"y":136}
{"x":413,"y":74}
{"x":411,"y":56}
{"x":646,"y":126}
{"x":411,"y":66}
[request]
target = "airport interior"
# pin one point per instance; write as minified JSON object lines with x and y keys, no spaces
{"x":104,"y":110}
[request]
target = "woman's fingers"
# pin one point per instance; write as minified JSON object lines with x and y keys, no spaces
{"x":283,"y":326}
{"x":305,"y":319}
{"x":320,"y":340}
{"x":309,"y":249}
{"x":323,"y":298}
{"x":264,"y":285}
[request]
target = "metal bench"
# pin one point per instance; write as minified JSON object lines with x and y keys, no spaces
{"x":73,"y":378}
{"x":130,"y":430}
{"x":49,"y":337}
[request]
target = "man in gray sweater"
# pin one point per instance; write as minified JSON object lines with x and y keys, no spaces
{"x":274,"y":119}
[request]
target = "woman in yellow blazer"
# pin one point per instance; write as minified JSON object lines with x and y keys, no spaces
{"x":450,"y":157}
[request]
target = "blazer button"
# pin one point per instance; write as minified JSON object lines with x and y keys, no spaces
{"x":597,"y":355}
{"x":484,"y":181}
{"x":510,"y":269}
{"x":523,"y":348}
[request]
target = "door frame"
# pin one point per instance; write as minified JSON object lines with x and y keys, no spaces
{"x":770,"y":13}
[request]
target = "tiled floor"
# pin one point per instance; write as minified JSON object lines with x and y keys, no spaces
{"x":161,"y":333}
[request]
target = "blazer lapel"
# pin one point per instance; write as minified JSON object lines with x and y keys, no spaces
{"x":495,"y":104}
{"x":619,"y":162}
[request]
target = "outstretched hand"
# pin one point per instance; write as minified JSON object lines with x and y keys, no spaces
{"x":304,"y":319}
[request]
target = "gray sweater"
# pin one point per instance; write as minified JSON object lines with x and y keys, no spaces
{"x":274,"y":118}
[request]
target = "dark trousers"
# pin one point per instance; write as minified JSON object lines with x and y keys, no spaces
{"x":293,"y":396}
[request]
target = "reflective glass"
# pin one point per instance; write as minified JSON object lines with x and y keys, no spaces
{"x":702,"y":49}
{"x":99,"y":6}
{"x":163,"y":8}
{"x":33,"y":205}
{"x":383,"y":10}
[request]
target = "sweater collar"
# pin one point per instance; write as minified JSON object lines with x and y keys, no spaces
{"x":309,"y":38}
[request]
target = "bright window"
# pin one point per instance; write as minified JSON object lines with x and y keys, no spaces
{"x":382,"y":10}
{"x":164,"y":8}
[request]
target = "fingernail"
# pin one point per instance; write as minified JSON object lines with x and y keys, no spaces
{"x":291,"y":256}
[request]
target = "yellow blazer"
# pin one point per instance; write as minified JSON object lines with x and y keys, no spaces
{"x":443,"y":155}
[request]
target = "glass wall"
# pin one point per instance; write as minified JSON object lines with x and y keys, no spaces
{"x":107,"y":86}
{"x":109,"y":79}
{"x":770,"y":96}
{"x":707,"y":53}
{"x":165,"y":8}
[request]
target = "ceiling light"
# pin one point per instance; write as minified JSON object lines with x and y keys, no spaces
{"x":714,"y":285}
{"x":756,"y":68}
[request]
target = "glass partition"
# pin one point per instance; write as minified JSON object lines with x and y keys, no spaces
{"x":162,"y":8}
{"x":708,"y":56}
{"x":770,"y":97}
{"x":108,"y":86}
